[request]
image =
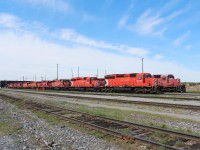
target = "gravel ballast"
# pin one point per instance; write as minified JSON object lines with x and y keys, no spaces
{"x":172,"y":118}
{"x":35,"y":133}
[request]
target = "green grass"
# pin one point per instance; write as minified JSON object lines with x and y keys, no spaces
{"x":56,"y":121}
{"x":7,"y":129}
{"x":126,"y":115}
{"x":117,"y":113}
{"x":179,"y":144}
{"x":113,"y":113}
{"x":51,"y":119}
{"x":165,"y":140}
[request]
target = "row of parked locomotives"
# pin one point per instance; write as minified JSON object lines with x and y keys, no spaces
{"x":132,"y":82}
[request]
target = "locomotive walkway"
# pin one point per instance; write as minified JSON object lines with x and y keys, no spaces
{"x":128,"y":131}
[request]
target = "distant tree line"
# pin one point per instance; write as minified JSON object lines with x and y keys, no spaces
{"x":191,"y":83}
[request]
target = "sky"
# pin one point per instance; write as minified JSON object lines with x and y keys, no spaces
{"x":110,"y":36}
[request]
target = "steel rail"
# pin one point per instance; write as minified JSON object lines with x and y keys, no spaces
{"x":152,"y":128}
{"x":55,"y":111}
{"x":157,"y":96}
{"x":181,"y":106}
{"x":112,"y":132}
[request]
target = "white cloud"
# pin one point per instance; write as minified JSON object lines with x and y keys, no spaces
{"x":149,"y":23}
{"x":26,"y":54}
{"x":13,"y":22}
{"x":31,"y":55}
{"x":181,"y":39}
{"x":188,"y":47}
{"x":57,"y":5}
{"x":71,"y":35}
{"x":158,"y":56}
{"x":9,"y":21}
{"x":123,"y":21}
{"x":89,"y":17}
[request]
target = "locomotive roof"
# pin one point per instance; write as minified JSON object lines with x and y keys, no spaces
{"x":124,"y":74}
{"x":83,"y":77}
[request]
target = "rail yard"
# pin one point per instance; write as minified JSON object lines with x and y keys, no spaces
{"x":142,"y":110}
{"x":166,"y":121}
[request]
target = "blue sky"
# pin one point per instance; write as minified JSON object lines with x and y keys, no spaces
{"x":109,"y":35}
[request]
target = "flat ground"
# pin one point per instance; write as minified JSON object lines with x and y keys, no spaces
{"x":22,"y":129}
{"x":178,"y":119}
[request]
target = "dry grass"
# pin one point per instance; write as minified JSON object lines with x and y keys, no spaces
{"x":195,"y":88}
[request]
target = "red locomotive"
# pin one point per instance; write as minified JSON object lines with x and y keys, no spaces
{"x":32,"y":85}
{"x":18,"y":85}
{"x":60,"y":84}
{"x":10,"y":85}
{"x":135,"y":82}
{"x":25,"y":85}
{"x":132,"y":82}
{"x":169,"y":83}
{"x":43,"y":84}
{"x":87,"y":83}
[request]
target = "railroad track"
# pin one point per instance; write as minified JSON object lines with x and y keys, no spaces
{"x":169,"y":105}
{"x":133,"y":132}
{"x":178,"y":96}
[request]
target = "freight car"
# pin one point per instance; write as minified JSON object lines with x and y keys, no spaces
{"x":168,"y":83}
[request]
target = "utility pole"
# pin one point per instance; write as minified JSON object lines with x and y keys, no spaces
{"x":35,"y":78}
{"x":41,"y":78}
{"x":72,"y":73}
{"x":45,"y":77}
{"x":142,"y":65}
{"x":105,"y":72}
{"x":57,"y":71}
{"x":97,"y":72}
{"x":78,"y":71}
{"x":23,"y":78}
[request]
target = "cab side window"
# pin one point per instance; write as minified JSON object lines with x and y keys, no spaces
{"x":139,"y":77}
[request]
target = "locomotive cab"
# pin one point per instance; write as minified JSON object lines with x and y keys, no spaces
{"x":144,"y":78}
{"x":147,"y":78}
{"x":170,"y":76}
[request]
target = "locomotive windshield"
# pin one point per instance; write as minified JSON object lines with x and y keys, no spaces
{"x":93,"y":78}
{"x":147,"y":76}
{"x":170,"y":77}
{"x":157,"y":76}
